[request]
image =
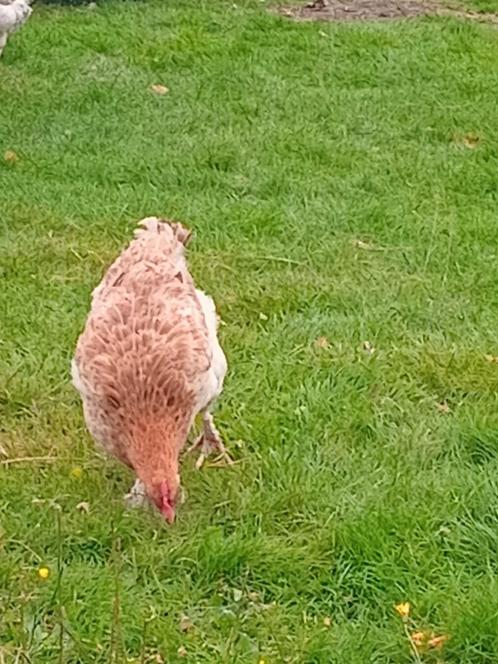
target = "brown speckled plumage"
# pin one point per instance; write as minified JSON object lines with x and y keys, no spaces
{"x":148,"y":360}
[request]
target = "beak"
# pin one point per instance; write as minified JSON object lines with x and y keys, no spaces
{"x":168,"y":512}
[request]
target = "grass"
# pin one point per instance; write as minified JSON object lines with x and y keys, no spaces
{"x":337,"y":189}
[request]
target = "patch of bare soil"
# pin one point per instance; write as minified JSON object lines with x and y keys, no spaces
{"x":364,"y":10}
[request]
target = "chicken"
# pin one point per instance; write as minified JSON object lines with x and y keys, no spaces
{"x":13,"y":14}
{"x":148,"y":361}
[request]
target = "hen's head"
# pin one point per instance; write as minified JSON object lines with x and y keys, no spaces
{"x":159,"y":474}
{"x":164,"y":495}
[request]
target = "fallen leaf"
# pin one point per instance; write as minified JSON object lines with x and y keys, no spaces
{"x":364,"y":245}
{"x":185,"y":624}
{"x":237,"y":595}
{"x":420,"y":638}
{"x":403,"y":609}
{"x":10,"y":157}
{"x":182,"y":651}
{"x":322,"y":342}
{"x":493,"y":359}
{"x":437,"y":642}
{"x":327,"y":621}
{"x":443,"y":407}
{"x":471,"y":141}
{"x":426,"y":640}
{"x":83,"y":507}
{"x":159,"y":89}
{"x":368,"y":348}
{"x":263,"y":316}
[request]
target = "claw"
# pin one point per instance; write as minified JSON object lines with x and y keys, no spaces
{"x":137,"y":496}
{"x":210,"y":443}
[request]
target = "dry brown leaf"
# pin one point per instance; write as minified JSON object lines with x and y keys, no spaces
{"x":83,"y":507}
{"x":237,"y":595}
{"x":186,"y":624}
{"x":493,"y":359}
{"x":437,"y":642}
{"x":322,"y":342}
{"x":368,"y":348}
{"x":159,"y":89}
{"x":364,"y":245}
{"x":443,"y":407}
{"x":10,"y":156}
{"x":426,"y":640}
{"x":182,"y":651}
{"x":470,"y":140}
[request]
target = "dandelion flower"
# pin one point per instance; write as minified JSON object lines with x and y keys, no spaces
{"x":403,"y":609}
{"x":76,"y":472}
{"x":43,"y":573}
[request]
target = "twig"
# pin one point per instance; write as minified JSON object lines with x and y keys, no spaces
{"x":27,"y":459}
{"x":249,"y":257}
{"x":278,"y":259}
{"x":222,"y":463}
{"x":60,"y":608}
{"x":116,"y":612}
{"x":413,"y":646}
{"x":143,"y":654}
{"x":17,"y":542}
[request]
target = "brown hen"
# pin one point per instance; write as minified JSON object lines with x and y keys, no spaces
{"x":149,"y":360}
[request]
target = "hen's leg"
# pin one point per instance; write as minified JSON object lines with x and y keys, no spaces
{"x":209,"y":441}
{"x":136,"y":496}
{"x":3,"y":41}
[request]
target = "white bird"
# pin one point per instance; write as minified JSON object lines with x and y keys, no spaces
{"x":13,"y":14}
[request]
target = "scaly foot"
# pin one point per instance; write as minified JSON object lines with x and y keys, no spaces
{"x":137,"y":496}
{"x":209,"y":442}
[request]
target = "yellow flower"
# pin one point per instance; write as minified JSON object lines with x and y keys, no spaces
{"x":76,"y":472}
{"x":403,"y":609}
{"x":43,"y":573}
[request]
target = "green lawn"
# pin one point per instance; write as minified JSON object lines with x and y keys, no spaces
{"x":342,"y":181}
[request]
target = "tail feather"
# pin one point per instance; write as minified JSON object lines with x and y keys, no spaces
{"x":157,"y":225}
{"x":150,"y":225}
